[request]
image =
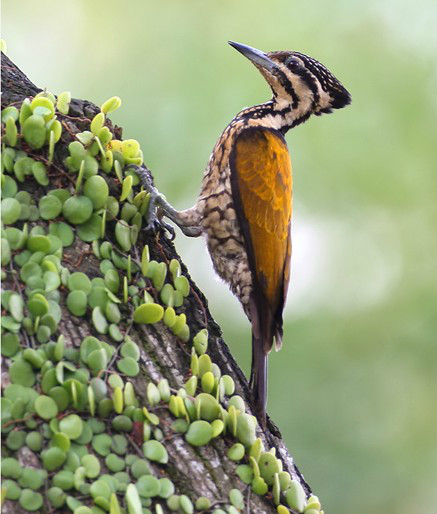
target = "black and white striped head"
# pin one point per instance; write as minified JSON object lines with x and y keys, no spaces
{"x":301,"y":85}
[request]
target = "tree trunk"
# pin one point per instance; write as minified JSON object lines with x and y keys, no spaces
{"x":195,"y":471}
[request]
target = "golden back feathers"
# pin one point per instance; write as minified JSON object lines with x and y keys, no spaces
{"x":262,"y":178}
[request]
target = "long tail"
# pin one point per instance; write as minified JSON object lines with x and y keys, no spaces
{"x":265,"y":328}
{"x":258,"y":378}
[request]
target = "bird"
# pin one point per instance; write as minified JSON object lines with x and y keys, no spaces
{"x":244,"y":208}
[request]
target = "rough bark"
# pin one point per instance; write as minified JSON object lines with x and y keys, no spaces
{"x":204,"y":471}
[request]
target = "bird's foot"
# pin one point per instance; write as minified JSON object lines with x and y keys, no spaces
{"x":157,"y":203}
{"x":155,"y":209}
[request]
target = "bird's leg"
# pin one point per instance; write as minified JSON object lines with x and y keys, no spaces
{"x":188,"y":220}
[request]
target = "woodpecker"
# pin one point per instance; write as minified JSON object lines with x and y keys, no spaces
{"x":244,"y":209}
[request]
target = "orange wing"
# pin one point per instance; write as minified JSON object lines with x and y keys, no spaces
{"x":262,"y":178}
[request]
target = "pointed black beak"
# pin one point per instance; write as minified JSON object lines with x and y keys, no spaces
{"x":256,"y":56}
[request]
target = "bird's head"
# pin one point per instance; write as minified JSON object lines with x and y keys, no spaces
{"x":301,"y":85}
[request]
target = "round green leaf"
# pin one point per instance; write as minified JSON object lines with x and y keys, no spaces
{"x":154,"y":450}
{"x":51,"y":280}
{"x":9,"y":187}
{"x":30,"y":500}
{"x":236,"y":498}
{"x":148,"y":313}
{"x":91,"y":230}
{"x":101,"y":444}
{"x":246,"y":428}
{"x":115,"y":333}
{"x":186,"y":505}
{"x":23,"y":167}
{"x":38,"y":305}
{"x":111,"y":105}
{"x":245,"y":472}
{"x":11,"y":468}
{"x":61,"y":440}
{"x":64,"y":479}
{"x":259,"y":486}
{"x":130,"y":349}
{"x":40,"y":173}
{"x":63,"y":231}
{"x":49,"y":207}
{"x":53,"y":458}
{"x":34,"y":131}
{"x":16,"y":237}
{"x":12,"y":112}
{"x":11,"y":132}
{"x":44,"y":106}
{"x":148,"y":486}
{"x":72,"y":426}
{"x":15,"y":440}
{"x":96,"y":189}
{"x":38,"y":243}
{"x":133,"y":500}
{"x":122,"y":423}
{"x":199,"y":433}
{"x":236,"y":452}
{"x":10,"y":209}
{"x":60,"y":395}
{"x":8,"y":323}
{"x":16,"y":305}
{"x":98,"y":297}
{"x":80,"y":281}
{"x":77,"y":209}
{"x":30,"y":270}
{"x":46,"y":407}
{"x":77,"y":302}
{"x":114,"y":463}
{"x":12,"y":490}
{"x":139,"y":468}
{"x":207,"y":406}
{"x":112,"y":279}
{"x":5,"y":252}
{"x":97,"y":360}
{"x":92,"y":465}
{"x":295,"y":496}
{"x":63,"y":102}
{"x":122,"y":235}
{"x":99,"y":320}
{"x":56,"y":497}
{"x":20,"y":372}
{"x":128,"y":366}
{"x":10,"y":344}
{"x":203,"y":503}
{"x":88,"y":345}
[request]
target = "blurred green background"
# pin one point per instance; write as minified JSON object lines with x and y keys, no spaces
{"x":353,"y":389}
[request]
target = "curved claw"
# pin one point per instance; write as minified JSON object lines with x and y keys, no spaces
{"x":156,"y":198}
{"x":188,"y":221}
{"x":155,"y":223}
{"x":170,"y":229}
{"x":152,"y":225}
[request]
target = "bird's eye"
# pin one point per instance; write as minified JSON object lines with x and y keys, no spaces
{"x":292,"y":63}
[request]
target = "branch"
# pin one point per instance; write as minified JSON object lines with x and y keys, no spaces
{"x":195,"y":471}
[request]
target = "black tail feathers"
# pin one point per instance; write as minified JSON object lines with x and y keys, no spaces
{"x":258,"y":379}
{"x":265,"y":328}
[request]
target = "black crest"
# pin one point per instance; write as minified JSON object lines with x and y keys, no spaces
{"x":340,"y":96}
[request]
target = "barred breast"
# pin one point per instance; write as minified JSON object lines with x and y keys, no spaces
{"x":220,"y":226}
